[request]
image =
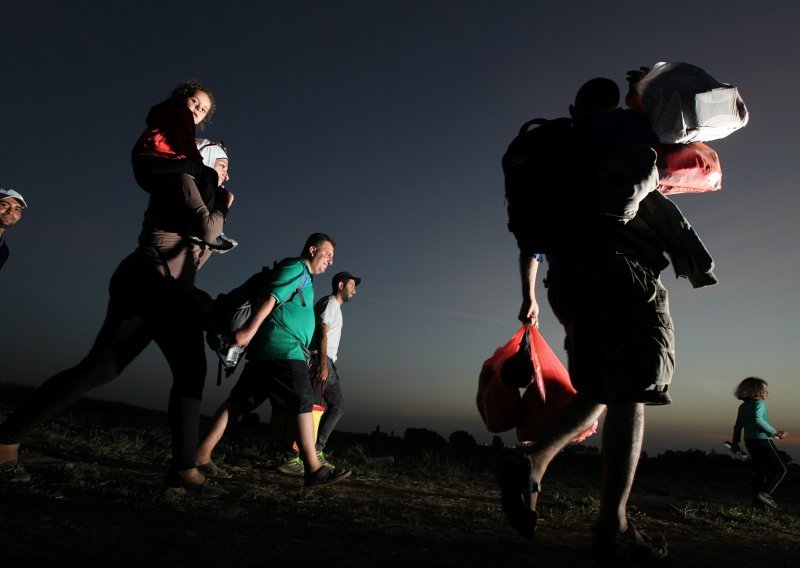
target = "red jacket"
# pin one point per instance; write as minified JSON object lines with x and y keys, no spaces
{"x":170,"y":132}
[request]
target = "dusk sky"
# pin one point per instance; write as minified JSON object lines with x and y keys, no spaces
{"x":382,"y":123}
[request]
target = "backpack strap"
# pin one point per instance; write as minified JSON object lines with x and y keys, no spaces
{"x":525,"y":127}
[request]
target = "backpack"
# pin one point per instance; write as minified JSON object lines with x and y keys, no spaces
{"x":539,"y":168}
{"x":565,"y":178}
{"x":232,"y":310}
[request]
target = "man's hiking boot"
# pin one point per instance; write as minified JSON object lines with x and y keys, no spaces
{"x":293,"y":466}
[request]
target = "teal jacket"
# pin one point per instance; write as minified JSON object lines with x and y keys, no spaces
{"x":752,"y":418}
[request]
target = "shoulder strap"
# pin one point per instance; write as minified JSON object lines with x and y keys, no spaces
{"x":537,"y":121}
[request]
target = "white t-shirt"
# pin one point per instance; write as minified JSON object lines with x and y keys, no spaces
{"x":332,"y":317}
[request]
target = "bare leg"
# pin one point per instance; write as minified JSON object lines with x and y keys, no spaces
{"x":9,"y":452}
{"x":575,"y":419}
{"x":612,"y":535}
{"x":517,"y":496}
{"x":308,"y":450}
{"x":623,"y":432}
{"x":227,"y":411}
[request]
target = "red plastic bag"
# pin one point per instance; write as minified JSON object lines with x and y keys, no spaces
{"x":540,"y":405}
{"x":688,"y":168}
{"x":499,"y":404}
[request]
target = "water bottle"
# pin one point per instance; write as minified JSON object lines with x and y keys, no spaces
{"x":736,"y":451}
{"x":232,"y":356}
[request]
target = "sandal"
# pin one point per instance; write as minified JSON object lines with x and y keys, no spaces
{"x":211,"y":470}
{"x":326,"y":475}
{"x":206,"y":489}
{"x":516,"y":489}
{"x":14,"y":472}
{"x":633,"y":544}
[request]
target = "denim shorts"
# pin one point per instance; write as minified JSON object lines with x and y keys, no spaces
{"x":286,"y":383}
{"x":620,"y":340}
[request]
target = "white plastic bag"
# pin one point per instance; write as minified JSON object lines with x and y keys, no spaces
{"x":686,"y":104}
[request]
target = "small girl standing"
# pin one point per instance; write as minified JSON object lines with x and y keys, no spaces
{"x":768,"y":467}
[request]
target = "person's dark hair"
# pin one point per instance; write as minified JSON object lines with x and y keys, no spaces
{"x":316,"y":240}
{"x":335,"y":284}
{"x":751,"y":388}
{"x":187,"y":89}
{"x":597,"y":95}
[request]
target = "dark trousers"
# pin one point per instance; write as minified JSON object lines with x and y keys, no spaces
{"x":153,"y":173}
{"x":334,"y":403}
{"x":137,"y":314}
{"x":768,"y":467}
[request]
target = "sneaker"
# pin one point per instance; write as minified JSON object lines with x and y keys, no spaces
{"x":767,"y":499}
{"x":325,"y":476}
{"x":223,"y":244}
{"x":13,"y":472}
{"x":293,"y":466}
{"x":324,"y":459}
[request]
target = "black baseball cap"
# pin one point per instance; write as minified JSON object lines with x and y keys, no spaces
{"x":343,"y":277}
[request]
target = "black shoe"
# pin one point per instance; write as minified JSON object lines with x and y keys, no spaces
{"x":516,"y":489}
{"x":223,"y":244}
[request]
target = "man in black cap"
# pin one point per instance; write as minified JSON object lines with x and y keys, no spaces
{"x":11,"y":206}
{"x":329,"y":334}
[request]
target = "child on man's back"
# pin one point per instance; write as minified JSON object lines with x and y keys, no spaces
{"x":215,"y":156}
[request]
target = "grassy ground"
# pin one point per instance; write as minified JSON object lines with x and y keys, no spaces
{"x":97,"y":499}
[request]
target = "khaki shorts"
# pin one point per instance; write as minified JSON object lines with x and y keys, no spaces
{"x":620,"y":340}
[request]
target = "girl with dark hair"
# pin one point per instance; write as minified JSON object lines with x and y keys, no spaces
{"x":168,"y":148}
{"x":768,"y":467}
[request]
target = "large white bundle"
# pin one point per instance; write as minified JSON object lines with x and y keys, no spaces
{"x":686,"y":104}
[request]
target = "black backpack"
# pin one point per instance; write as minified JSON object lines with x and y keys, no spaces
{"x":232,"y":310}
{"x":541,"y":182}
{"x":565,"y":178}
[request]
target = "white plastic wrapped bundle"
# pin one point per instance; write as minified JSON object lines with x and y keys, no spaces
{"x":686,"y":104}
